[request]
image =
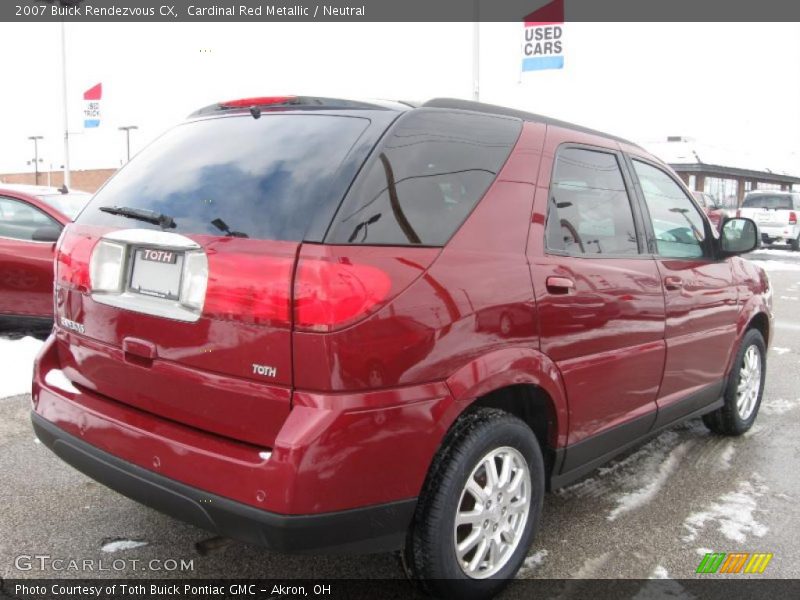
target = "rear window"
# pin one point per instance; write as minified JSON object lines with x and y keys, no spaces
{"x":776,"y":202}
{"x":264,"y":178}
{"x":424,"y":179}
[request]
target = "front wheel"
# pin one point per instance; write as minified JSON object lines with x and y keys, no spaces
{"x":744,"y":389}
{"x":480,"y":507}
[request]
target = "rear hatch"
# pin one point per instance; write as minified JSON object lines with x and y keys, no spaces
{"x":772,"y":210}
{"x":174,"y":286}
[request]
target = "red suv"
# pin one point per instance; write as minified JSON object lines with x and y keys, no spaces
{"x":323,"y":325}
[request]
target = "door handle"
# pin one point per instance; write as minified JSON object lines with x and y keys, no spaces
{"x":140,"y":352}
{"x":559,"y":285}
{"x":673,"y":283}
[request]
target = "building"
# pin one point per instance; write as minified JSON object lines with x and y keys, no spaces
{"x":727,"y":175}
{"x":87,"y":181}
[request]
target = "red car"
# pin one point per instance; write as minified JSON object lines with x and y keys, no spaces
{"x":222,"y":304}
{"x":31,"y":219}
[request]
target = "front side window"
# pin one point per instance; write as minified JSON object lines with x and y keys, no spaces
{"x":425,"y":179}
{"x":589,"y":211}
{"x":19,"y":220}
{"x":678,"y":226}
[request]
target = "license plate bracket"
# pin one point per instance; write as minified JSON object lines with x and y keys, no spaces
{"x":157,"y":273}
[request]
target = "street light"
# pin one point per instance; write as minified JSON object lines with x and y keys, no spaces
{"x":36,"y":139}
{"x":127,"y":130}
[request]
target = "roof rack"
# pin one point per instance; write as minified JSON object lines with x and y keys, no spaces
{"x":493,"y":109}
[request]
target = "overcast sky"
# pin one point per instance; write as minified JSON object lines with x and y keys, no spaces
{"x":731,"y":85}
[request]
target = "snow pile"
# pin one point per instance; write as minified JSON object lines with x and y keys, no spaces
{"x":118,"y":545}
{"x":726,"y":456}
{"x":17,"y":357}
{"x":532,"y":562}
{"x":659,"y":573}
{"x":733,"y":512}
{"x":778,"y":406}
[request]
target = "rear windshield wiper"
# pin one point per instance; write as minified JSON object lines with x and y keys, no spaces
{"x":141,"y":214}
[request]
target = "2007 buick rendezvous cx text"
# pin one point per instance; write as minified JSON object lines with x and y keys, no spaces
{"x":326,"y":325}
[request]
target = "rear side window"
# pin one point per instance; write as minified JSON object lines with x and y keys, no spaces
{"x":262,"y":178}
{"x":764,"y":201}
{"x":589,"y":210}
{"x":424,"y":179}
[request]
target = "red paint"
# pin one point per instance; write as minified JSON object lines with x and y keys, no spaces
{"x":377,"y":350}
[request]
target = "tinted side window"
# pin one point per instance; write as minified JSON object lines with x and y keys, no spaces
{"x":589,"y":210}
{"x":19,"y":220}
{"x":678,"y":227}
{"x":425,"y":178}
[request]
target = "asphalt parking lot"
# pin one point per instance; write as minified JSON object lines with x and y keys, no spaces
{"x":652,"y":513}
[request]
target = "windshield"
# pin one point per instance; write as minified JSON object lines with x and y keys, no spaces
{"x":261,"y":178}
{"x":764,"y":201}
{"x":67,"y":204}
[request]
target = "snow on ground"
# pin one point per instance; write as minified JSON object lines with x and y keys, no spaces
{"x":778,"y":406}
{"x":703,"y":551}
{"x":17,"y":356}
{"x":733,"y":512}
{"x":777,"y":350}
{"x":635,"y":480}
{"x":532,"y":563}
{"x":726,"y":456}
{"x":118,"y":545}
{"x":659,"y":573}
{"x":655,"y":481}
{"x":776,"y":265}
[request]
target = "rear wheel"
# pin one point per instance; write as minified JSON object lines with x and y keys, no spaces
{"x":795,"y":244}
{"x":480,"y":507}
{"x":744,"y":389}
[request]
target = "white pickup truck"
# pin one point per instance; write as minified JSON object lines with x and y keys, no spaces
{"x":775,"y":213}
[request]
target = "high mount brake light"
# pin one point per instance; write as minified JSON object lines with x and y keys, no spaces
{"x":260,"y":101}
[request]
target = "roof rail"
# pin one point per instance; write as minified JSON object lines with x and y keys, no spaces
{"x":493,"y":109}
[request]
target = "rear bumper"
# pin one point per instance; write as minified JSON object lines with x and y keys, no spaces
{"x":347,"y":461}
{"x":782,"y":234}
{"x":370,"y":529}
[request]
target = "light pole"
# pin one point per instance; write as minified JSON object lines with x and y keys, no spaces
{"x":36,"y":139}
{"x":127,"y":129}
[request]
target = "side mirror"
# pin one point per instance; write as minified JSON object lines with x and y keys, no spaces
{"x":46,"y":234}
{"x":738,"y":236}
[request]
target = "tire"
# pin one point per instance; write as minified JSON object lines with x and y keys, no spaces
{"x":430,"y":555}
{"x":735,"y":417}
{"x":795,"y":244}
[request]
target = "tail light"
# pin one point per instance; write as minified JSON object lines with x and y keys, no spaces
{"x":792,"y":218}
{"x":249,"y":287}
{"x":329,"y":293}
{"x":73,"y":253}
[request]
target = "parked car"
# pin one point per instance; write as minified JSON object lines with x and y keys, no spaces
{"x":775,"y":213}
{"x":716,"y":214}
{"x":31,"y":219}
{"x":218,"y":303}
